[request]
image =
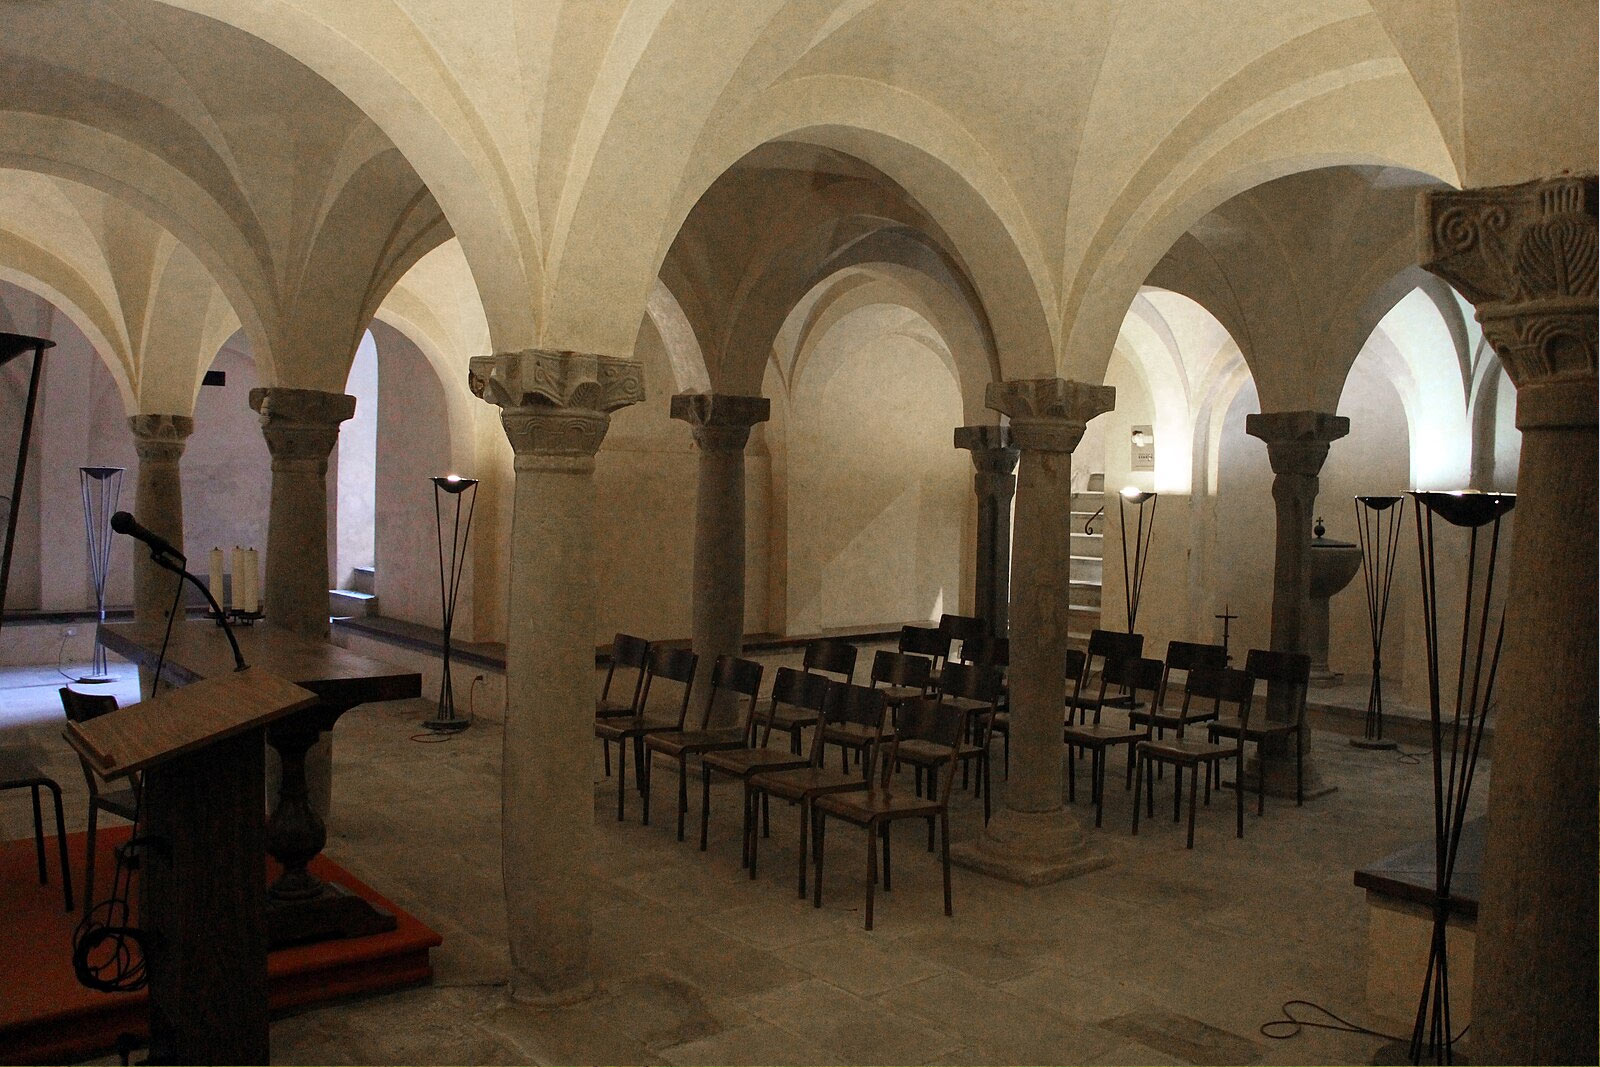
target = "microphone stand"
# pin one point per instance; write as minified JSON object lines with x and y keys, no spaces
{"x":162,"y":560}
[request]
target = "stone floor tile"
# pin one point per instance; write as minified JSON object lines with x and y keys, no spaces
{"x":854,"y":963}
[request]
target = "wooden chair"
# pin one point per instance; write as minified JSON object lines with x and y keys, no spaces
{"x":798,"y":690}
{"x":996,"y":652}
{"x":824,"y":656}
{"x":961,"y":629}
{"x":672,"y":665}
{"x":900,"y":676}
{"x":975,"y":689}
{"x":926,"y":641}
{"x":1292,"y":672}
{"x":936,"y":724}
{"x":1182,"y":657}
{"x":123,"y":802}
{"x":18,"y":771}
{"x":858,"y":705}
{"x":1135,"y":676}
{"x":1104,"y":646}
{"x":740,"y":678}
{"x":629,"y":653}
{"x":1219,"y":686}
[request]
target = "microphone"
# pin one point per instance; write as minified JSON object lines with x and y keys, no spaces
{"x":124,"y":523}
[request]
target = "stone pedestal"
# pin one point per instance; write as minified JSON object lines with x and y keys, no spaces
{"x":301,"y":427}
{"x":159,"y":441}
{"x":1525,"y":256}
{"x":994,"y":458}
{"x":555,"y":410}
{"x":721,"y":425}
{"x":1032,"y":838}
{"x":1297,"y":445}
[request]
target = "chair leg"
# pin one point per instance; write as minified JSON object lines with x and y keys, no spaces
{"x":1072,"y":778}
{"x":88,"y":863}
{"x":705,"y":802}
{"x":805,"y":822}
{"x":622,"y":775}
{"x":1149,"y":787}
{"x":988,"y":786}
{"x":644,"y":764}
{"x":605,"y":747}
{"x":1097,"y":768}
{"x":750,"y":834}
{"x":683,"y":791}
{"x":1299,"y":769}
{"x":1238,"y":793}
{"x":819,"y":821}
{"x":885,"y":834}
{"x":872,"y":871}
{"x":1261,"y":782}
{"x":1194,"y":772}
{"x":944,"y":833}
{"x":38,"y":836}
{"x":61,"y":844}
{"x":1211,"y":767}
{"x":1138,"y":787}
{"x":1177,"y":790}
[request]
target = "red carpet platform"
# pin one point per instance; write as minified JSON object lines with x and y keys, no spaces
{"x":47,"y":1017}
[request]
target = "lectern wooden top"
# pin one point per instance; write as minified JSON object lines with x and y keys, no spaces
{"x":182,"y":720}
{"x":199,"y":650}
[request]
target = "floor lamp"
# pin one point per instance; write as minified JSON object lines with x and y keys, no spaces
{"x":1378,"y":527}
{"x":1133,"y":576}
{"x":454,"y":488}
{"x":1432,"y":1035}
{"x":100,"y":487}
{"x":13,"y":345}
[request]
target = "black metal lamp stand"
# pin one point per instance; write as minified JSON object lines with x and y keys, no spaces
{"x":450,"y":571}
{"x":100,"y":487}
{"x":1378,"y":525}
{"x":1133,"y":577}
{"x":1432,"y":1036}
{"x":13,"y":345}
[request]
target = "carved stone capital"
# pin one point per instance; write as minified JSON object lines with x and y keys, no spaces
{"x":160,"y":438}
{"x":991,"y":446}
{"x":539,"y":378}
{"x":1049,"y":414}
{"x":1525,"y":255}
{"x":301,"y":425}
{"x":1297,"y":441}
{"x":721,"y":421}
{"x":546,"y":431}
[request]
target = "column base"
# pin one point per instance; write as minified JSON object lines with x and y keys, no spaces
{"x":1030,"y":848}
{"x":1280,"y":777}
{"x":524,"y":989}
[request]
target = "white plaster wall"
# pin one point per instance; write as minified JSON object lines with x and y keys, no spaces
{"x":227,"y":471}
{"x":876,"y":493}
{"x":357,"y":468}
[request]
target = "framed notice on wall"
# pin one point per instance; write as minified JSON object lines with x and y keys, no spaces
{"x":1143,"y":449}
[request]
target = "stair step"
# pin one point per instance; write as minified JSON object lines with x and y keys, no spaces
{"x":348,"y":603}
{"x":364,"y":580}
{"x":1087,"y":569}
{"x":1085,"y":594}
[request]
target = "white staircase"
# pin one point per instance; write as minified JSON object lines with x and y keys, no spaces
{"x":360,"y":599}
{"x":1088,"y":539}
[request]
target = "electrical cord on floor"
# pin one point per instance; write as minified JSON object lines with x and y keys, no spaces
{"x":1290,"y":1025}
{"x":1409,"y":759}
{"x":439,"y":737}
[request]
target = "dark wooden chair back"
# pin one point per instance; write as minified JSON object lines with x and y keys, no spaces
{"x":738,"y":679}
{"x":962,"y":628}
{"x":857,"y":704}
{"x":1107,"y":645}
{"x":1188,"y":656}
{"x":629,"y":653}
{"x":831,"y":657}
{"x":1133,"y":676}
{"x":676,"y":665}
{"x":796,"y":689}
{"x":1286,"y":670}
{"x":937,"y":723}
{"x":991,"y":651}
{"x":901,"y":668}
{"x":81,"y":708}
{"x":925,"y":641}
{"x":1074,"y":671}
{"x":1207,"y":689}
{"x":972,"y":681}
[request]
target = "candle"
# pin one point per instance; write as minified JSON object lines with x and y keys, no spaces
{"x":253,"y":576}
{"x":236,"y":601}
{"x":215,"y":581}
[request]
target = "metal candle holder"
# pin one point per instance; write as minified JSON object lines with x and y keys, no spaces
{"x":1133,"y":578}
{"x":1432,"y":1035}
{"x":100,"y":487}
{"x":446,"y":721}
{"x":1378,"y":527}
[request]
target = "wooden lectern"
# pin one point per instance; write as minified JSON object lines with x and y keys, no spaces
{"x":201,"y":874}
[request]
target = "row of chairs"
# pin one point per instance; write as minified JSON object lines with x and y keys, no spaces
{"x":1216,"y":699}
{"x":900,"y":720}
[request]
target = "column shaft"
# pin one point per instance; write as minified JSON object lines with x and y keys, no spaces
{"x":993,"y":459}
{"x":554,"y":411}
{"x":1525,"y":256}
{"x":158,"y":504}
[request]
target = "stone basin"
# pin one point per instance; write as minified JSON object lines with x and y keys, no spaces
{"x":1333,"y":564}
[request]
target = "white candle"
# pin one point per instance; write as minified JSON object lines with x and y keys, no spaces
{"x":253,"y":575}
{"x":236,"y":601}
{"x":214,"y":582}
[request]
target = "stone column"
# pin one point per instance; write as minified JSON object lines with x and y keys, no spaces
{"x":1297,"y":445}
{"x":158,"y":504}
{"x":555,"y":410}
{"x":1032,"y":839}
{"x":721,"y":425}
{"x":994,"y":458}
{"x":1525,"y":256}
{"x":301,"y":427}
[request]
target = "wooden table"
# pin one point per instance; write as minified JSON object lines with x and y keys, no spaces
{"x":301,"y":907}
